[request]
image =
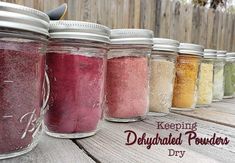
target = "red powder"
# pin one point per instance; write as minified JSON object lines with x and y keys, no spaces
{"x":21,"y":77}
{"x":127,"y":87}
{"x":76,"y":93}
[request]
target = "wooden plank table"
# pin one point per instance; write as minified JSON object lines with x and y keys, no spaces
{"x":108,"y":145}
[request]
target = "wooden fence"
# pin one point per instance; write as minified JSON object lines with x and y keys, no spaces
{"x":167,"y":18}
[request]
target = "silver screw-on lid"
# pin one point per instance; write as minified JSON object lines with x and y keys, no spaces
{"x":191,"y":49}
{"x":79,"y":30}
{"x":131,"y":36}
{"x":221,"y":54}
{"x":23,"y":18}
{"x":230,"y":55}
{"x":163,"y":44}
{"x":209,"y":53}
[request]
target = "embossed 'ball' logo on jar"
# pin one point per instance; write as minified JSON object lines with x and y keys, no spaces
{"x":31,"y":119}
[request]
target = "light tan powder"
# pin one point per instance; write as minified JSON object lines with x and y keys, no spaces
{"x":161,"y":85}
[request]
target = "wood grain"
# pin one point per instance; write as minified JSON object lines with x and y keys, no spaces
{"x":196,"y":25}
{"x":51,"y":150}
{"x":203,"y":26}
{"x":109,"y":144}
{"x":219,"y":112}
{"x":210,"y":23}
{"x":167,"y":18}
{"x":175,"y":23}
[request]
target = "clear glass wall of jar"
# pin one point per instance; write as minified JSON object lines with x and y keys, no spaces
{"x":187,"y":68}
{"x":218,"y":81}
{"x":22,"y":73}
{"x":205,"y":84}
{"x":229,"y":75}
{"x":162,"y":76}
{"x":232,"y":55}
{"x":76,"y":60}
{"x":127,"y":88}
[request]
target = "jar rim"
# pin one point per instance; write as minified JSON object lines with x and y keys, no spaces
{"x":20,"y":17}
{"x":164,"y":44}
{"x":230,"y":55}
{"x":190,"y":49}
{"x":210,"y":53}
{"x":221,"y":54}
{"x":70,"y":29}
{"x":131,"y":36}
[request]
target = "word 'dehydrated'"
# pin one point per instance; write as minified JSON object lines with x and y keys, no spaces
{"x":132,"y":138}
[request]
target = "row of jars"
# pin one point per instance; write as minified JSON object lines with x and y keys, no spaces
{"x":88,"y":71}
{"x":184,"y":76}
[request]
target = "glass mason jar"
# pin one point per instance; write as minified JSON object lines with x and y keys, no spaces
{"x":187,"y":68}
{"x":127,"y":84}
{"x":76,"y":60}
{"x":218,"y":81}
{"x":232,"y":55}
{"x":162,"y":76}
{"x":22,"y":73}
{"x":229,"y":75}
{"x":205,"y":84}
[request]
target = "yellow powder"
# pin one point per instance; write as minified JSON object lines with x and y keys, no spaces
{"x":205,"y":86}
{"x":186,"y":82}
{"x":161,"y":85}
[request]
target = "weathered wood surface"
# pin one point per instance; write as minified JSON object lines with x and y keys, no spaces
{"x":109,"y":144}
{"x":50,"y":150}
{"x":219,"y":112}
{"x":167,"y":18}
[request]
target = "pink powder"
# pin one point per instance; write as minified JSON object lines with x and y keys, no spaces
{"x":127,"y":87}
{"x":75,"y":104}
{"x":21,"y":77}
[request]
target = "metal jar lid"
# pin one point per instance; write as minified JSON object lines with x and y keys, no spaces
{"x":69,"y":29}
{"x":230,"y":55}
{"x":190,"y":49}
{"x":23,"y":18}
{"x":163,"y":44}
{"x":210,"y":53}
{"x":131,"y":36}
{"x":221,"y":54}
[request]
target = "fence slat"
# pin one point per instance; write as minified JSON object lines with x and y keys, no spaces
{"x":167,"y":18}
{"x":210,"y":23}
{"x":203,"y":26}
{"x":195,"y":25}
{"x":175,"y":23}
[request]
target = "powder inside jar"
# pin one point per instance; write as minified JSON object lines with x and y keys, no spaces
{"x":127,"y":87}
{"x":218,"y":81}
{"x":205,"y":86}
{"x":228,"y":76}
{"x":75,"y":104}
{"x":161,"y":85}
{"x":233,"y":75}
{"x":21,"y":77}
{"x":185,"y":87}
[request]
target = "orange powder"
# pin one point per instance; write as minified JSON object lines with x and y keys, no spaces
{"x":185,"y":88}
